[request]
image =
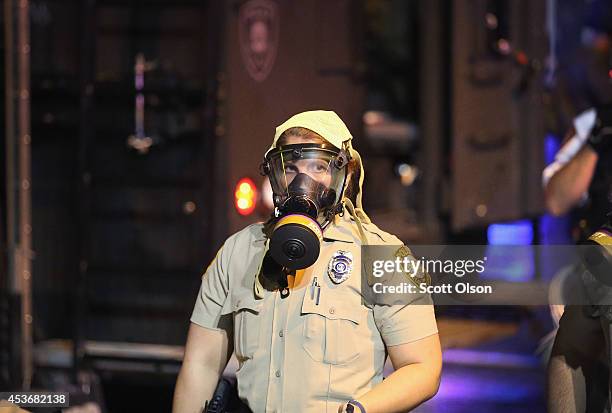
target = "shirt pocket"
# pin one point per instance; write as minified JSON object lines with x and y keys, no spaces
{"x":247,"y":321}
{"x":331,"y":327}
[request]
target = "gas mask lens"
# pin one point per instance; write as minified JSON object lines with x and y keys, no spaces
{"x":307,"y":179}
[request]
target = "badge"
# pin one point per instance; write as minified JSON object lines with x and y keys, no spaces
{"x":340,"y":266}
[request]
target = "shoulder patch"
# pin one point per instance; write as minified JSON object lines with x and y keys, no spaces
{"x":421,"y":276}
{"x":403,"y":251}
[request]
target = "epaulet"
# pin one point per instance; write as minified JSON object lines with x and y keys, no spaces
{"x":377,"y":236}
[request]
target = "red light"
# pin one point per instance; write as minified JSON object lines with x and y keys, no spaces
{"x":245,"y":196}
{"x":522,"y":58}
{"x":610,"y":73}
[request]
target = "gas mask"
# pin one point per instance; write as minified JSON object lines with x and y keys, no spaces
{"x":307,"y":183}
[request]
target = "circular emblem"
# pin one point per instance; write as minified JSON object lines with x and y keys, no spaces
{"x":340,"y":266}
{"x":258,"y":34}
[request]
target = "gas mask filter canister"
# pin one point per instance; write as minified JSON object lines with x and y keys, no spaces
{"x":296,"y":241}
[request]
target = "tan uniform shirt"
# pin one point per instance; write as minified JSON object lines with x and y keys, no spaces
{"x":308,"y":352}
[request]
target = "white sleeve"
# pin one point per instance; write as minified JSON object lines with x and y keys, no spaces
{"x":583,"y":124}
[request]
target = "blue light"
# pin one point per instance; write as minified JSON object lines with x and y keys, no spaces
{"x":510,"y":264}
{"x":511,"y":233}
{"x":551,"y":147}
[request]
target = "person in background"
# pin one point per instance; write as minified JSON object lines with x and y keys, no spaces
{"x":580,"y":180}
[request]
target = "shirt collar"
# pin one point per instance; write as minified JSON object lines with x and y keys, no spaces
{"x":339,"y":230}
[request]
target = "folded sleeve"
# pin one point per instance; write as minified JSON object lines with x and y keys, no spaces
{"x":405,"y":323}
{"x":212,"y":300}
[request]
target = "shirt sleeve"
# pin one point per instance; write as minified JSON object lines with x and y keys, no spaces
{"x":405,"y":317}
{"x":405,"y":323}
{"x":212,"y":300}
{"x":583,"y":125}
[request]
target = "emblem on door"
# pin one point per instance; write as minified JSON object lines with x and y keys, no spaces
{"x":258,"y":34}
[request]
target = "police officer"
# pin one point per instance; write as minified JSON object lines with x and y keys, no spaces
{"x":581,"y":178}
{"x":580,"y":361}
{"x":286,"y":296}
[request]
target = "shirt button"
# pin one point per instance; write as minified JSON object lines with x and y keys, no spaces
{"x":332,"y":310}
{"x":277,"y":374}
{"x":280,"y":333}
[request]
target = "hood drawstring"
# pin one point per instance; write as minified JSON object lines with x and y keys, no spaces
{"x":355,"y":213}
{"x":358,"y":198}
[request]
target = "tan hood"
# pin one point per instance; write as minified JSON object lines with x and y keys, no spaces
{"x":329,"y":125}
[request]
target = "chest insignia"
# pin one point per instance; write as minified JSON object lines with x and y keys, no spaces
{"x":340,"y":266}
